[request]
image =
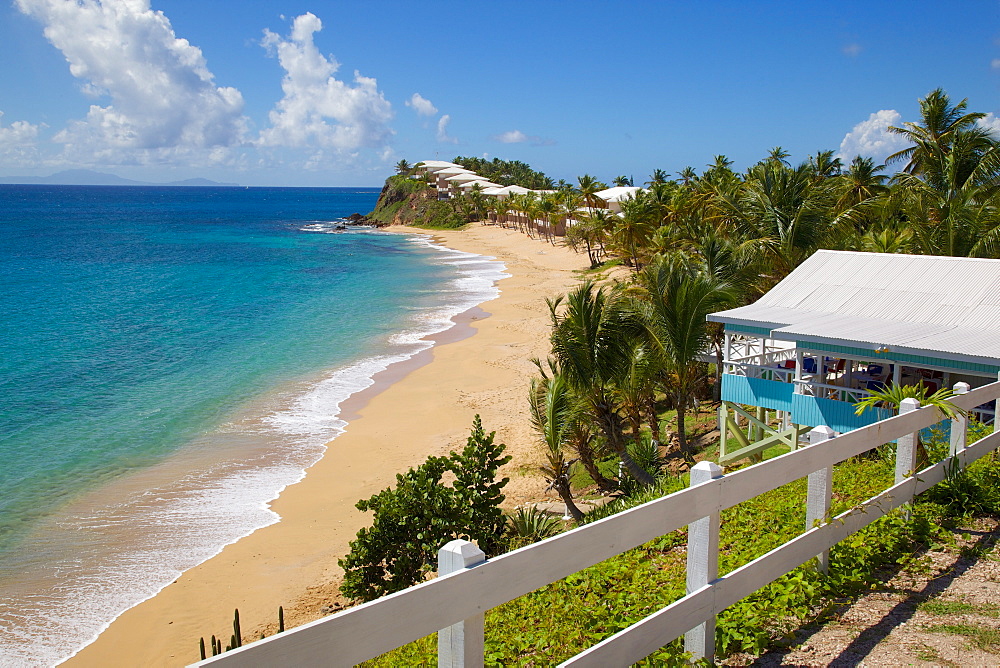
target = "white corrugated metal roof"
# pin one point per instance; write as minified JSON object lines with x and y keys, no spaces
{"x":618,"y":193}
{"x":437,"y":163}
{"x":944,"y":306}
{"x":447,"y":171}
{"x":462,"y":178}
{"x":483,"y":183}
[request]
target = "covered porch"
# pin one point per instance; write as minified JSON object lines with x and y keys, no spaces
{"x":813,"y":346}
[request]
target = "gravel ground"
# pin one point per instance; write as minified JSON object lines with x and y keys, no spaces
{"x":943,"y":610}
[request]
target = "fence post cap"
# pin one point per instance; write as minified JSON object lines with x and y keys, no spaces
{"x":909,"y":404}
{"x":459,"y":554}
{"x":704,"y":471}
{"x":821,"y":433}
{"x":961,"y":387}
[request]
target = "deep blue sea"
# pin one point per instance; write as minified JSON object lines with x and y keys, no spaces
{"x":170,"y":359}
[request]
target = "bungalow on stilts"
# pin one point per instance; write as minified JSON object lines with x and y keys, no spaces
{"x":844,"y":323}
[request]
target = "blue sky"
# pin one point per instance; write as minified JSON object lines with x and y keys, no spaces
{"x":334,"y":93}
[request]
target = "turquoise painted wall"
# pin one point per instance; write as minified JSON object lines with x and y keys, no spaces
{"x":838,"y":415}
{"x":771,"y":394}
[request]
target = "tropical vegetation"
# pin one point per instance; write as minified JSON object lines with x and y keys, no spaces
{"x":632,"y":352}
{"x":627,"y":360}
{"x":566,"y":617}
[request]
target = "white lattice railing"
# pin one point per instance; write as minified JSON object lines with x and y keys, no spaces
{"x":826,"y":391}
{"x":780,"y":374}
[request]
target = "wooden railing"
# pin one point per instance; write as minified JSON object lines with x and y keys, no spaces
{"x":455,"y":603}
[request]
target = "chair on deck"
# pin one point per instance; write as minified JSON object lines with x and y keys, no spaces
{"x":809,"y":365}
{"x":875,"y":385}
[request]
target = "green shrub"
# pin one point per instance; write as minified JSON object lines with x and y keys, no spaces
{"x":530,"y":525}
{"x":416,"y":518}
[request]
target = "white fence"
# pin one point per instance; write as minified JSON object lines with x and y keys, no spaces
{"x":455,"y":603}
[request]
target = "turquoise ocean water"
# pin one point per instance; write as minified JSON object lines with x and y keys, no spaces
{"x":170,"y":359}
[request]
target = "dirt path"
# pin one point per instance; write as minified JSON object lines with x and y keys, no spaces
{"x":943,"y":610}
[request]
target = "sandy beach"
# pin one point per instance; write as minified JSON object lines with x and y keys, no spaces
{"x":417,"y":408}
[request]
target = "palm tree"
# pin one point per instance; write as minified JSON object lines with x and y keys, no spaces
{"x":633,"y":230}
{"x":569,"y":203}
{"x":623,"y":180}
{"x":501,"y":207}
{"x":673,"y":308}
{"x":783,"y":208}
{"x":552,"y":416}
{"x":580,"y":435}
{"x":719,"y":172}
{"x":490,"y":208}
{"x":778,"y":155}
{"x":592,"y":231}
{"x":860,"y":182}
{"x":892,"y":397}
{"x":661,"y":200}
{"x":687,"y":175}
{"x":403,"y":167}
{"x":524,"y":205}
{"x":549,"y":210}
{"x":532,"y":212}
{"x":590,"y":339}
{"x":953,"y":205}
{"x":588,"y":185}
{"x":824,"y":165}
{"x":940,"y":122}
{"x":636,"y":387}
{"x":477,"y":202}
{"x":658,"y":176}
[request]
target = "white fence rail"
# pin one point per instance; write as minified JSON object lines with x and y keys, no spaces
{"x":457,"y":601}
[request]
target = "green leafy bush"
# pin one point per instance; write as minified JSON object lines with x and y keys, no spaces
{"x":417,"y":517}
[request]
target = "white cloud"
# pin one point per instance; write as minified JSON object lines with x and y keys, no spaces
{"x":313,"y":98}
{"x":990,"y":123}
{"x":995,"y":63}
{"x":164,"y":103}
{"x":442,"y":130}
{"x":512,"y":137}
{"x":421,"y":105}
{"x":518,"y":137}
{"x":872,"y":139}
{"x":18,"y":133}
{"x":852,"y":50}
{"x":18,"y":143}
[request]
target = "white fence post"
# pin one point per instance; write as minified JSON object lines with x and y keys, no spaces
{"x":906,"y":446}
{"x":461,"y":645}
{"x":820,"y":492}
{"x":959,"y":425}
{"x":702,"y":563}
{"x":906,"y":450}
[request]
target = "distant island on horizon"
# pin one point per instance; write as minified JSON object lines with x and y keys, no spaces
{"x":86,"y":177}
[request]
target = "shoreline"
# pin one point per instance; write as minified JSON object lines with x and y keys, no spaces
{"x":479,"y":365}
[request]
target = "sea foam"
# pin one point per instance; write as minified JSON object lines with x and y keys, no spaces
{"x":174,"y":524}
